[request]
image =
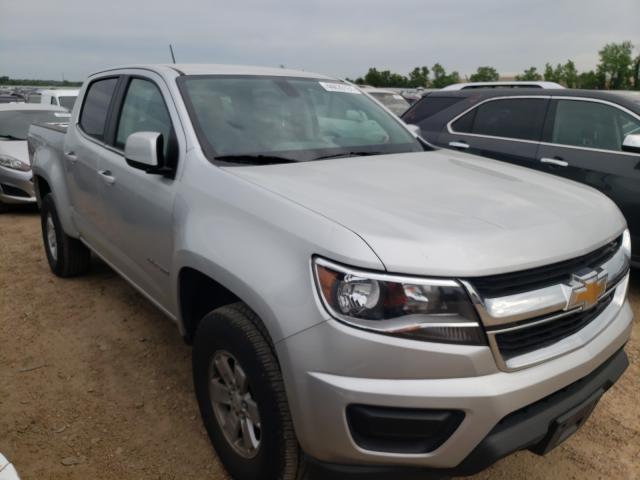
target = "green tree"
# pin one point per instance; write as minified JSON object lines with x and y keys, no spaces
{"x":553,"y":74}
{"x":485,"y":74}
{"x":590,"y":80}
{"x":530,"y":74}
{"x":440,"y":77}
{"x":419,"y":77}
{"x":636,"y":73}
{"x":616,"y":65}
{"x":570,"y":74}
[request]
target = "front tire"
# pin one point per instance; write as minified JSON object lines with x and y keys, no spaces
{"x":242,"y":399}
{"x":67,"y":256}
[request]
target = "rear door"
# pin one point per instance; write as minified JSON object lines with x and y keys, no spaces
{"x":583,"y":141}
{"x":83,"y":146}
{"x":137,"y":207}
{"x":504,"y":128}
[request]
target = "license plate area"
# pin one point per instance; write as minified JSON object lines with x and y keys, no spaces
{"x":567,"y":424}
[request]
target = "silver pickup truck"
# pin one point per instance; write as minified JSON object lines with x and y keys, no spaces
{"x":359,"y":302}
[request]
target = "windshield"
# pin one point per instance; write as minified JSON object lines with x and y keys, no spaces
{"x":14,"y":124}
{"x":67,"y":101}
{"x":392,"y":101}
{"x":297,"y":119}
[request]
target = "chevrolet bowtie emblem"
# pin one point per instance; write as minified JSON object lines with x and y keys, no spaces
{"x":587,"y":288}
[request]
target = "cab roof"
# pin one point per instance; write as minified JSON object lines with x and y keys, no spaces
{"x":221,"y":69}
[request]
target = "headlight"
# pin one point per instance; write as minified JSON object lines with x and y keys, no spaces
{"x":424,"y":309}
{"x":13,"y":163}
{"x":626,"y":243}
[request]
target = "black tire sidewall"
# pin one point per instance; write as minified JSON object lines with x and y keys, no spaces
{"x":48,"y":206}
{"x":214,"y":334}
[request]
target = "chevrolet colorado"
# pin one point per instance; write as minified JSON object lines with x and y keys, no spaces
{"x":359,"y":302}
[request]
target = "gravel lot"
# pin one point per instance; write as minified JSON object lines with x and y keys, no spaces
{"x":96,"y":384}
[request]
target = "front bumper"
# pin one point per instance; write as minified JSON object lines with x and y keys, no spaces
{"x":16,"y":187}
{"x":331,"y":366}
{"x":528,"y":428}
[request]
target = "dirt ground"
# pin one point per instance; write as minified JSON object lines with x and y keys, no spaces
{"x":95,"y":383}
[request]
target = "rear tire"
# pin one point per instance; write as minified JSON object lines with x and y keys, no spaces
{"x":235,"y":335}
{"x":4,"y":207}
{"x":67,"y":256}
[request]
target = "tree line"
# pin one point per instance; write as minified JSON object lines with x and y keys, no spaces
{"x":5,"y":80}
{"x":618,"y":69}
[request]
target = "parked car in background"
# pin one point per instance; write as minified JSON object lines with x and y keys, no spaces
{"x":16,"y":186}
{"x":390,"y":99}
{"x":503,"y":84}
{"x":11,"y":97}
{"x":7,"y":470}
{"x":589,"y":136}
{"x":62,"y":97}
{"x":358,"y":301}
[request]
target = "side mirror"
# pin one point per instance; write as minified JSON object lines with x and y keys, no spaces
{"x":415,"y":129}
{"x":142,"y":148}
{"x":631,"y":143}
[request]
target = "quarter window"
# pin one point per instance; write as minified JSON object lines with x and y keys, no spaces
{"x":518,"y":118}
{"x":427,"y":107}
{"x":96,"y":106}
{"x":592,"y":125}
{"x":144,"y":110}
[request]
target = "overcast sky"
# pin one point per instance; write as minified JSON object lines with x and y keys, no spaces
{"x":52,"y":38}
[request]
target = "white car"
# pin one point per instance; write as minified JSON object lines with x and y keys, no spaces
{"x":390,"y":99}
{"x":16,"y":186}
{"x":7,"y":471}
{"x":507,"y":84}
{"x":61,"y":97}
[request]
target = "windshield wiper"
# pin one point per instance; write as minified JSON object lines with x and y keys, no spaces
{"x":255,"y":159}
{"x":11,"y":137}
{"x":347,"y":154}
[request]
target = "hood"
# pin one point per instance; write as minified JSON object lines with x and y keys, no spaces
{"x":15,"y":148}
{"x":445,"y":213}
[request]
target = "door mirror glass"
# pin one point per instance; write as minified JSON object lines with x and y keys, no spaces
{"x":631,"y":143}
{"x":141,"y":149}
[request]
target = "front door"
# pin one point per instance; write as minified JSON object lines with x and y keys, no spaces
{"x":583,"y":142}
{"x":138,"y":206}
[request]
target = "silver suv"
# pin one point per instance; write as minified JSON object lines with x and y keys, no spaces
{"x":358,"y":301}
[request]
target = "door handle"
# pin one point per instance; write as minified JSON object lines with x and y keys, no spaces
{"x":555,"y":161}
{"x":71,"y":156}
{"x":462,"y":145}
{"x":107,"y":176}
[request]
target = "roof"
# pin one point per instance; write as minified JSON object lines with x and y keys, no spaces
{"x":518,"y":83}
{"x":220,"y":69}
{"x":628,"y":99}
{"x":30,"y":106}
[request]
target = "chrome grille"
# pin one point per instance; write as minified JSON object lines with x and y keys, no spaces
{"x":535,"y":315}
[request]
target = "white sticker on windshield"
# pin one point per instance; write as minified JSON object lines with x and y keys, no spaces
{"x":62,"y":114}
{"x":339,"y":87}
{"x":398,"y":97}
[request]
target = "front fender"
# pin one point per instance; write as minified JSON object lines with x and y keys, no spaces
{"x":259,"y":246}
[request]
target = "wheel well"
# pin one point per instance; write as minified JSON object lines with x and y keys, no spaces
{"x":199,"y":294}
{"x":42,"y":187}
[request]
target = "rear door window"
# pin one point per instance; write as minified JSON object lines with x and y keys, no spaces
{"x":517,"y":118}
{"x":592,"y":125}
{"x":96,"y":106}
